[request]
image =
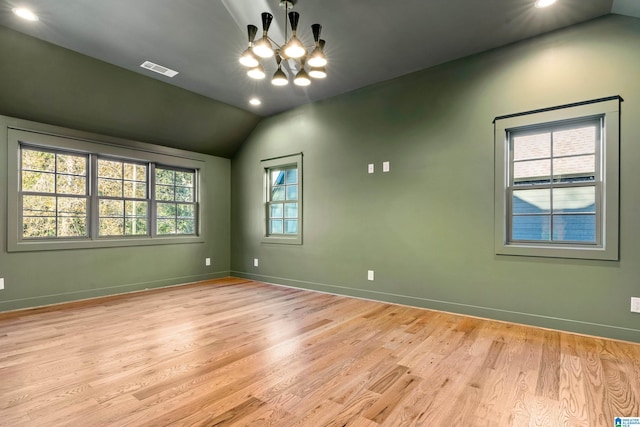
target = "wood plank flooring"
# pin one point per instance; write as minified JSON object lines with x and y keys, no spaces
{"x":232,"y":352}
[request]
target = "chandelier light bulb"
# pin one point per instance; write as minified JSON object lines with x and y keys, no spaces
{"x":302,"y":78}
{"x":25,"y":14}
{"x":294,"y":48}
{"x":317,"y":58}
{"x":279,"y":78}
{"x":256,"y":73}
{"x":248,"y":59}
{"x":263,"y":48}
{"x":318,"y":72}
{"x":544,"y":3}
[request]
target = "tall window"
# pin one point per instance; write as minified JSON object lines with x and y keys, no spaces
{"x":122,"y":192}
{"x":557,"y":182}
{"x":55,"y":194}
{"x":175,"y":201}
{"x":283,"y":199}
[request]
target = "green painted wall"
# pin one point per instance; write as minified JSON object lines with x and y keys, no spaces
{"x":49,"y":84}
{"x":426,"y":228}
{"x":43,"y":82}
{"x":52,"y":276}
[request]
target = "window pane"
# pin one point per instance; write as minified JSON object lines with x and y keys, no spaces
{"x":109,"y":187}
{"x":38,"y":161}
{"x":73,"y":165}
{"x":33,"y":227}
{"x":166,"y":226}
{"x":291,"y":210}
{"x":534,"y":227}
{"x":277,"y":177}
{"x":111,"y":226}
{"x":164,"y":192}
{"x":166,"y":210}
{"x":537,"y":171}
{"x":135,"y":190}
{"x":135,"y":227}
{"x":277,"y":193}
{"x":68,"y":184}
{"x":113,"y":208}
{"x":535,"y":146}
{"x":574,"y":141}
{"x":109,"y":169}
{"x":185,"y":211}
{"x":184,"y":194}
{"x":291,"y":176}
{"x":184,"y":179}
{"x":72,"y":206}
{"x":291,"y":226}
{"x":135,"y":208}
{"x":573,"y":169}
{"x":531,"y":201}
{"x":135,"y":172}
{"x":574,"y":199}
{"x":72,"y":226}
{"x":574,"y":228}
{"x":275,"y":226}
{"x":165,"y":176}
{"x":276,"y":210}
{"x":39,"y":182}
{"x":185,"y":226}
{"x":39,"y":206}
{"x":292,"y":192}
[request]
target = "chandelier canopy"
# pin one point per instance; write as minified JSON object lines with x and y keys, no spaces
{"x":292,"y":50}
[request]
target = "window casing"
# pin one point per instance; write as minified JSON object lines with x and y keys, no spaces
{"x":71,"y":193}
{"x":283,"y":200}
{"x":556,"y":184}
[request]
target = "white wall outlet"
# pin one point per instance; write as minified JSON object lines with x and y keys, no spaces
{"x":207,"y":262}
{"x":369,"y":274}
{"x":255,"y":262}
{"x":1,"y":283}
{"x":635,"y":305}
{"x":371,"y":168}
{"x":386,"y":167}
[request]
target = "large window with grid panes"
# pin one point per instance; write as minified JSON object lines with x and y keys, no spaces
{"x":557,"y":182}
{"x":283,"y":199}
{"x":73,"y":194}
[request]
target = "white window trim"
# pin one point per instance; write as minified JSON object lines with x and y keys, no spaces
{"x":294,"y":159}
{"x":51,"y":137}
{"x":608,"y":248}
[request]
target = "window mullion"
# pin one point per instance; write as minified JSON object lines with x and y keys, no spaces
{"x":94,"y":202}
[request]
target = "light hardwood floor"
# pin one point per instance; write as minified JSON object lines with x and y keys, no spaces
{"x":235,"y":352}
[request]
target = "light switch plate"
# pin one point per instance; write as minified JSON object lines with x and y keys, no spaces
{"x":635,"y":305}
{"x":1,"y":283}
{"x":386,"y":167}
{"x":371,"y":168}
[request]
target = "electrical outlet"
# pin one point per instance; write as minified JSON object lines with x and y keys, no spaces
{"x":1,"y":283}
{"x":255,"y":262}
{"x":635,"y":305}
{"x":207,"y":262}
{"x":371,"y":168}
{"x":369,"y":274}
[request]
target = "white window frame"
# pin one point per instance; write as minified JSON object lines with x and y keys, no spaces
{"x":294,"y":160}
{"x":35,"y":135}
{"x":606,"y":246}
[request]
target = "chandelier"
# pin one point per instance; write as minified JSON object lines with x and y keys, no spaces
{"x":291,"y":50}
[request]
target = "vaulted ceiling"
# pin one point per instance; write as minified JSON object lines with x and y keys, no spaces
{"x":368,"y":41}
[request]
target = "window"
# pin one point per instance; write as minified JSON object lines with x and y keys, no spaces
{"x":283,"y":199}
{"x":122,"y":194}
{"x":175,"y":201}
{"x":69,"y":193}
{"x":55,"y":195}
{"x":557,"y":182}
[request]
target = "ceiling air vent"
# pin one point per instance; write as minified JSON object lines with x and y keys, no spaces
{"x":158,"y":69}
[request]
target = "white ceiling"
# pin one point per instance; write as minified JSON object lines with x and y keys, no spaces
{"x":368,"y":41}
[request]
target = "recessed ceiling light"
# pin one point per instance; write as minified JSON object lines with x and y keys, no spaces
{"x":544,"y":3}
{"x":25,"y":14}
{"x":255,"y":101}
